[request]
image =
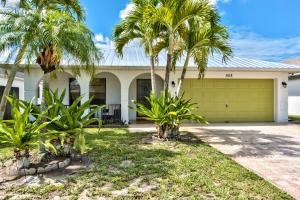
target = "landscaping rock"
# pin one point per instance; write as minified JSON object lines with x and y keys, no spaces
{"x":32,"y":180}
{"x":23,"y":163}
{"x":12,"y":171}
{"x":30,"y":171}
{"x":41,"y":170}
{"x":51,"y":167}
{"x":8,"y":163}
{"x":67,"y":161}
{"x":61,"y":165}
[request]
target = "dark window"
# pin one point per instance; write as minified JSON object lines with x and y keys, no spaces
{"x":15,"y":91}
{"x":74,"y":90}
{"x":98,"y":91}
{"x":143,"y":90}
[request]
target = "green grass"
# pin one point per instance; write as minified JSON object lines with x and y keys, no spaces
{"x":5,"y":152}
{"x":179,"y":169}
{"x":293,"y":117}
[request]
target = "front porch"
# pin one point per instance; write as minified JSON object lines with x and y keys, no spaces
{"x":107,"y":88}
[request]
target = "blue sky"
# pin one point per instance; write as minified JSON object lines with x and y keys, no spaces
{"x":260,"y":29}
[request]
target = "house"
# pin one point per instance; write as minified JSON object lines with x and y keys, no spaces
{"x":294,"y":95}
{"x":294,"y":89}
{"x":17,"y":87}
{"x":241,"y":90}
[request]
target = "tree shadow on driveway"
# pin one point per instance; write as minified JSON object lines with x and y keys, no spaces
{"x":245,"y":143}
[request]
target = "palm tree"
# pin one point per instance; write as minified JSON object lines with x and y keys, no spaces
{"x":174,"y":15}
{"x":201,"y":39}
{"x":139,"y":25}
{"x":48,"y":35}
{"x":72,"y":6}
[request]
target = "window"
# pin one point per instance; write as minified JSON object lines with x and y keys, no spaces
{"x":74,"y":90}
{"x":98,"y":91}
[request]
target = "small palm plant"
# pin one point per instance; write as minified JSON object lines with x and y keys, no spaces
{"x":168,"y":113}
{"x":21,"y":132}
{"x":73,"y":120}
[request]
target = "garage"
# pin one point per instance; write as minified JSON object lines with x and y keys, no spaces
{"x":232,"y":100}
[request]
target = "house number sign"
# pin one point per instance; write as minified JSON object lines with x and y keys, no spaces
{"x":229,"y":75}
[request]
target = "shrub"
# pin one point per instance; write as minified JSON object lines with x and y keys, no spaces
{"x":21,"y":132}
{"x":168,"y":113}
{"x":73,"y":119}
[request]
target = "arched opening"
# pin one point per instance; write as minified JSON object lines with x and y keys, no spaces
{"x":105,"y":89}
{"x":139,"y":88}
{"x":61,"y":81}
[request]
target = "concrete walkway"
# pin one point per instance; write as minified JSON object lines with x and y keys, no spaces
{"x":270,"y":150}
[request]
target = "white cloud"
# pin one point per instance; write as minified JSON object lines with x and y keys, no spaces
{"x":129,"y":7}
{"x":99,"y":37}
{"x":103,"y":41}
{"x":251,"y":45}
{"x":214,"y":2}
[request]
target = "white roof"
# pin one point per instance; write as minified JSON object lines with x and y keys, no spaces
{"x":136,"y":57}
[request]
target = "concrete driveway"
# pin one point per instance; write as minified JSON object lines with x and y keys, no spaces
{"x":270,"y":150}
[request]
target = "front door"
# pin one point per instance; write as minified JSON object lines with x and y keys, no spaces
{"x":143,"y":90}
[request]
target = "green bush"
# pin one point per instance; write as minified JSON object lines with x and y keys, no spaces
{"x":22,"y":132}
{"x":73,"y":119}
{"x":168,"y":113}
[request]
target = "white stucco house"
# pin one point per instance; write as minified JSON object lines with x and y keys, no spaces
{"x":294,"y":89}
{"x":241,"y":90}
{"x":17,"y":87}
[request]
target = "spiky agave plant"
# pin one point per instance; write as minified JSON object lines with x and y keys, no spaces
{"x":73,"y":119}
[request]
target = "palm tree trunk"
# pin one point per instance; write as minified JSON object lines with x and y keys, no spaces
{"x":153,"y":82}
{"x":167,"y":74}
{"x":169,"y":63}
{"x":11,"y":79}
{"x":45,"y":86}
{"x":184,"y":69}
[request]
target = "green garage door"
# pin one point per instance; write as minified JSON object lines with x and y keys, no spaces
{"x":232,"y":100}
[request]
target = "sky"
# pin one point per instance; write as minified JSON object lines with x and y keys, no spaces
{"x":259,"y":29}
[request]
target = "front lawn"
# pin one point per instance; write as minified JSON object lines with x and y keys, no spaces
{"x":295,"y":118}
{"x":133,"y":166}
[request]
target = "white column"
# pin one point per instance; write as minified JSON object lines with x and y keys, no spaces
{"x":31,"y":81}
{"x":84,"y":82}
{"x":281,"y":99}
{"x":125,"y":100}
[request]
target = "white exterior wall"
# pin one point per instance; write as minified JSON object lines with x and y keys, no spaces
{"x":18,"y":82}
{"x":128,"y":75}
{"x":294,"y":97}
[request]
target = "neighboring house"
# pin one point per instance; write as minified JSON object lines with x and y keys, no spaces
{"x":294,"y":89}
{"x":17,"y":87}
{"x":294,"y":95}
{"x":242,"y":90}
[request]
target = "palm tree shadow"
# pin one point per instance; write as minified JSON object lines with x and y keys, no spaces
{"x":251,"y":142}
{"x":120,"y":158}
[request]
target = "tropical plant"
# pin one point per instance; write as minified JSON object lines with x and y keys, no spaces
{"x":21,"y":132}
{"x":201,"y":39}
{"x":168,"y":113}
{"x":139,"y":25}
{"x":48,"y":32}
{"x":173,"y":16}
{"x":73,"y":119}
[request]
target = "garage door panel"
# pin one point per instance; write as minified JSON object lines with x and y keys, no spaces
{"x":234,"y":100}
